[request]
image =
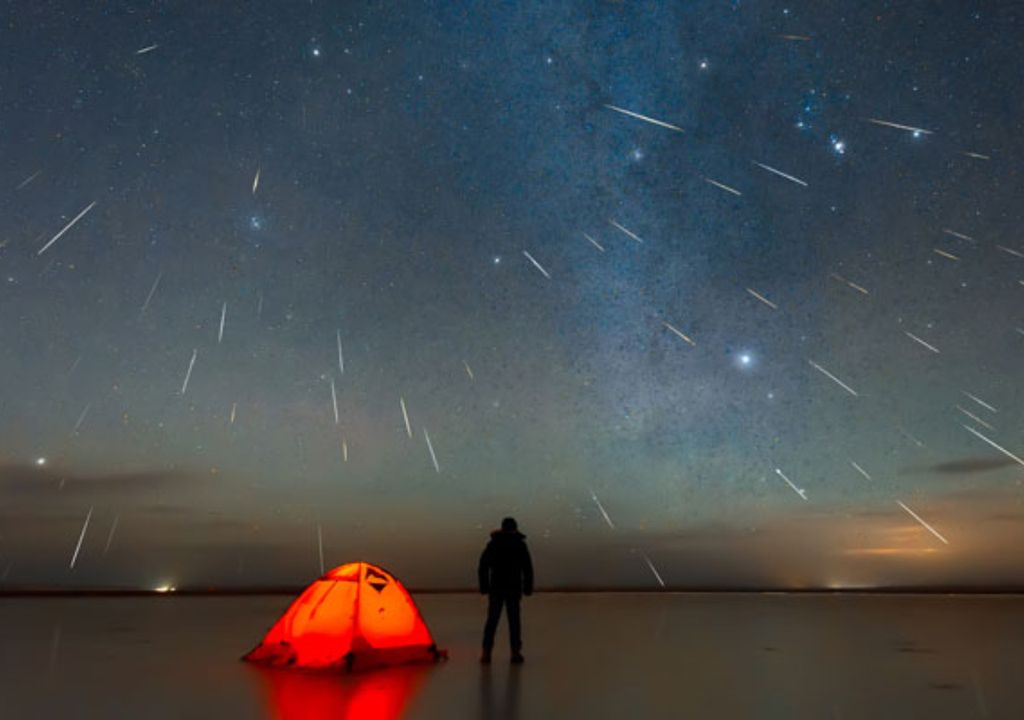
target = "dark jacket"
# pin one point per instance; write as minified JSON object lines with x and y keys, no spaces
{"x":505,"y":565}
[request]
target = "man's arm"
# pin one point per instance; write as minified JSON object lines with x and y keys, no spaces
{"x":483,"y":571}
{"x":527,"y":572}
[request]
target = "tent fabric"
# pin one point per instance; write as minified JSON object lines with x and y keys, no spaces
{"x":354,"y":617}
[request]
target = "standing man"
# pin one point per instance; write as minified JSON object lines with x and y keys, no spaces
{"x":505,"y":574}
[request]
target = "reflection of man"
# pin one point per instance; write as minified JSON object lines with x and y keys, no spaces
{"x":505,"y":574}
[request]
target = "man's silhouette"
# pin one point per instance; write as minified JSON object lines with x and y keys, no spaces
{"x":505,"y":574}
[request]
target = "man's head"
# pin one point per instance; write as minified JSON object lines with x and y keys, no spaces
{"x":509,"y":525}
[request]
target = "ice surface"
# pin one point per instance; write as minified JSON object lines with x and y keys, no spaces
{"x":588,"y":655}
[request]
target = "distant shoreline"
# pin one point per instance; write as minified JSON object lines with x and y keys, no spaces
{"x":235,"y":592}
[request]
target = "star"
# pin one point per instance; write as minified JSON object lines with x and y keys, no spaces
{"x":40,"y":461}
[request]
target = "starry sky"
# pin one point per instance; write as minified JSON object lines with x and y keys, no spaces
{"x":704,"y":293}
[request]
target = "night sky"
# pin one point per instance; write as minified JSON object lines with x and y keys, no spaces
{"x":702,"y":292}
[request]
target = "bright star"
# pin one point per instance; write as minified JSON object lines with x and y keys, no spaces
{"x":703,"y":64}
{"x":40,"y":461}
{"x":838,"y":145}
{"x":316,"y":52}
{"x":497,"y":259}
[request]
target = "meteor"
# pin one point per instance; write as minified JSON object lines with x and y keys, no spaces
{"x":717,"y":184}
{"x":799,"y":491}
{"x":781,"y":174}
{"x":638,"y":116}
{"x":899,"y":126}
{"x":628,"y":232}
{"x":833,"y":378}
{"x":928,"y":527}
{"x":763,"y":299}
{"x":679,"y":333}
{"x":536,"y":264}
{"x":67,"y":227}
{"x":81,"y":537}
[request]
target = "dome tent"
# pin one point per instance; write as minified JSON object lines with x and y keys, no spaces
{"x":354,"y":617}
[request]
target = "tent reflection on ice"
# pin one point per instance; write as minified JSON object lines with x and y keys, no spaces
{"x":354,"y":617}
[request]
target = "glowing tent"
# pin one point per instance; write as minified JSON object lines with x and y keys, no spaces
{"x":354,"y":617}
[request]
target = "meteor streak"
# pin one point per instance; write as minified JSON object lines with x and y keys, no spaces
{"x":536,"y":264}
{"x":861,"y":470}
{"x":594,"y":242}
{"x":405,"y":416}
{"x":898,"y":126}
{"x":998,"y":447}
{"x":67,"y":227}
{"x":974,"y":417}
{"x":763,"y":299}
{"x":916,"y":339}
{"x":334,"y":401}
{"x":638,"y":116}
{"x":717,"y":184}
{"x":628,"y":232}
{"x":430,"y":447}
{"x":781,"y":174}
{"x":81,"y":537}
{"x":980,"y":401}
{"x":833,"y":378}
{"x":799,"y":491}
{"x":850,"y":283}
{"x":679,"y":332}
{"x":110,"y":535}
{"x":81,"y":418}
{"x":956,"y":234}
{"x":654,"y":570}
{"x":188,"y":373}
{"x":928,"y":527}
{"x":152,"y":290}
{"x":223,"y":317}
{"x":601,"y":508}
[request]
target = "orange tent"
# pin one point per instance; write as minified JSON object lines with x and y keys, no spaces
{"x":354,"y":617}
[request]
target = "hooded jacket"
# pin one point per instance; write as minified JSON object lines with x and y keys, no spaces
{"x":505,"y":565}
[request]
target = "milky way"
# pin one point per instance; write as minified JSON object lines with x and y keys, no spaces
{"x":326,"y":281}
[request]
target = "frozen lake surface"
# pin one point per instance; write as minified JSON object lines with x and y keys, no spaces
{"x":587,"y":655}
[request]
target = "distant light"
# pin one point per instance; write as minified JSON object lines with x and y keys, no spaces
{"x":316,"y":52}
{"x":839,"y":146}
{"x":917,"y":133}
{"x":637,"y":154}
{"x":746,"y":359}
{"x":164,"y":588}
{"x":40,"y":461}
{"x":703,"y":64}
{"x":497,"y":259}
